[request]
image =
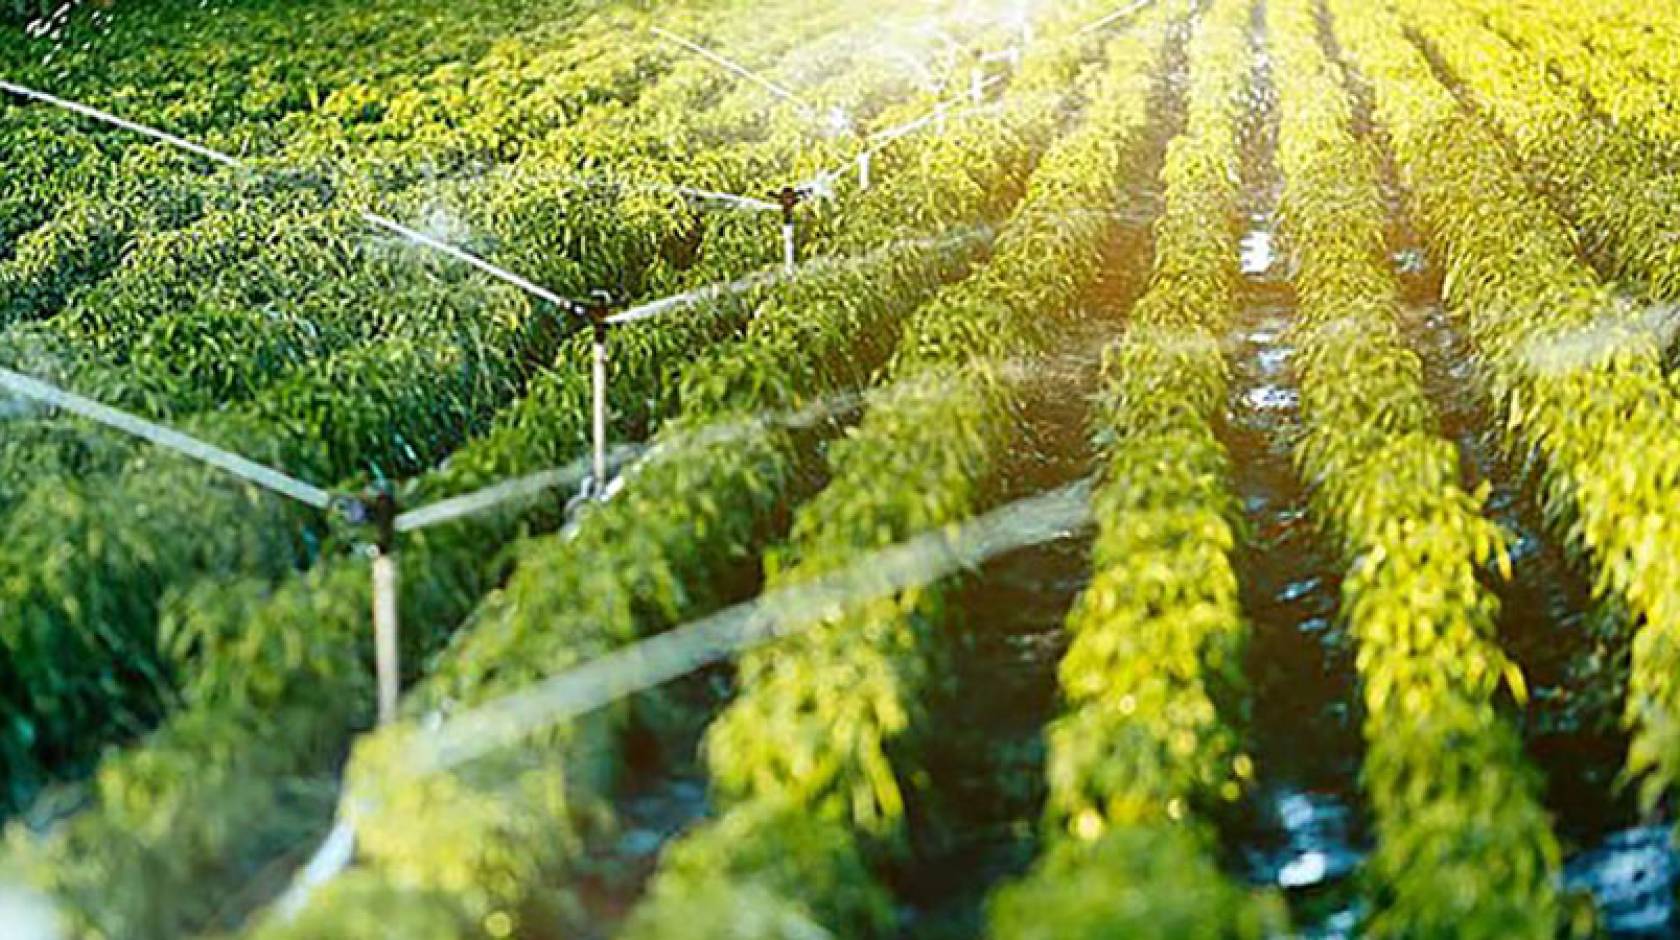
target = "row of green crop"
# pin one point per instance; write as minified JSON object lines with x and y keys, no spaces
{"x":276,"y":682}
{"x":531,"y":213}
{"x":1624,"y":39}
{"x":92,"y":205}
{"x":1574,"y":378}
{"x":173,"y":264}
{"x":1621,"y":193}
{"x":241,"y":67}
{"x":1463,"y":845}
{"x":371,"y":407}
{"x":1646,"y":37}
{"x":493,"y":856}
{"x":1571,"y":39}
{"x":811,"y":761}
{"x":89,"y":558}
{"x":244,"y":283}
{"x":265,"y":319}
{"x":1150,"y":678}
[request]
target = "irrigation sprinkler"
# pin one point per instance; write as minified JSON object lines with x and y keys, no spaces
{"x":378,"y":508}
{"x":789,"y":197}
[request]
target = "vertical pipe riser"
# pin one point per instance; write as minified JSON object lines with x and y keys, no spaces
{"x":600,"y":407}
{"x":385,"y":635}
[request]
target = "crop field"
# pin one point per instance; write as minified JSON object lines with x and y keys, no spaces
{"x":878,"y":469}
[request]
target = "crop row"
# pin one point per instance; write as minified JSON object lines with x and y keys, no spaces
{"x":227,"y":87}
{"x":239,"y":294}
{"x":378,"y":407}
{"x":811,"y":763}
{"x":228,"y":258}
{"x":276,"y":681}
{"x":501,"y":854}
{"x":229,"y":80}
{"x":1620,"y":192}
{"x":100,"y":205}
{"x":1578,"y":42}
{"x":1574,"y":378}
{"x":243,"y":285}
{"x":1464,"y":846}
{"x":1152,"y":673}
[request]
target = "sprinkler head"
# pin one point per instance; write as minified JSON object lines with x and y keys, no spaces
{"x":788,"y":197}
{"x":375,"y":508}
{"x":382,"y":502}
{"x":599,"y":309}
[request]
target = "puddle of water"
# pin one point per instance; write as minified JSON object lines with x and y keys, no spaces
{"x":1258,"y":253}
{"x":1312,"y":854}
{"x":1274,"y":360}
{"x":1272,"y":398}
{"x":1411,"y":262}
{"x":1301,"y":830}
{"x":1632,"y":876}
{"x":1317,"y":847}
{"x":1296,"y":590}
{"x":653,"y":817}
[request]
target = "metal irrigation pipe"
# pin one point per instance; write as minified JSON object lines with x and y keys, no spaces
{"x":228,"y":462}
{"x":805,"y":107}
{"x":1119,"y":14}
{"x":214,"y":156}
